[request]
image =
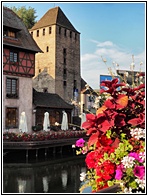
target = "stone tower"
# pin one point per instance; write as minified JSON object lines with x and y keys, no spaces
{"x":58,"y":67}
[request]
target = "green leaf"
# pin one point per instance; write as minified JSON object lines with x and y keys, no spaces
{"x":133,"y":185}
{"x":110,"y":183}
{"x":108,"y":133}
{"x":105,"y":156}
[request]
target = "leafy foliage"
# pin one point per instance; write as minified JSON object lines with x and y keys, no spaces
{"x":115,"y":149}
{"x":27,"y":15}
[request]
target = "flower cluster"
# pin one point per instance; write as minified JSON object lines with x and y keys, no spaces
{"x":115,"y":151}
{"x":42,"y":135}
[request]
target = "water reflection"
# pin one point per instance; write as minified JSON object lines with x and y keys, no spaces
{"x":62,"y":176}
{"x":45,"y":184}
{"x":21,"y":185}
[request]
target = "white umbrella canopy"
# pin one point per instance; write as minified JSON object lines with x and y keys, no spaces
{"x":64,"y":125}
{"x":46,"y":122}
{"x":23,"y":123}
{"x":83,"y":119}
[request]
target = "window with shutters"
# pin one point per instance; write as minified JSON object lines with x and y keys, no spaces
{"x":12,"y":88}
{"x":13,"y":57}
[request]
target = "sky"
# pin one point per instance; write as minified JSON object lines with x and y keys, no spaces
{"x":112,"y":34}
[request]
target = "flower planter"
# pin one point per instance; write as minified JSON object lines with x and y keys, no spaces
{"x":111,"y":189}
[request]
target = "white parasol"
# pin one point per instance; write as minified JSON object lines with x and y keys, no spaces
{"x":46,"y":122}
{"x":64,"y":125}
{"x":23,"y":123}
{"x":83,"y":119}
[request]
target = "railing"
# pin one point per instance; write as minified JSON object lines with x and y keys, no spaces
{"x":39,"y":144}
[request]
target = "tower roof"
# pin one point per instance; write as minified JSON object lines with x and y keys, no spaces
{"x":52,"y":17}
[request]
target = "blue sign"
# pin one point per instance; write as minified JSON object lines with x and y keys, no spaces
{"x":106,"y":77}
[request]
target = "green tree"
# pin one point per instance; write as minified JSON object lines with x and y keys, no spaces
{"x":27,"y":15}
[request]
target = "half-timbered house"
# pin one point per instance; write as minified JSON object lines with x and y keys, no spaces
{"x":19,"y":51}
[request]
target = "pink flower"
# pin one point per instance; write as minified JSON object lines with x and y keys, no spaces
{"x":119,"y":173}
{"x":136,"y":156}
{"x":80,"y":142}
{"x":139,"y":171}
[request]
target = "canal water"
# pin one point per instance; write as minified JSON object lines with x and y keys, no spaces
{"x":55,"y":174}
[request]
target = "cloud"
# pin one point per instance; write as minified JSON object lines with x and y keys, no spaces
{"x":92,"y":65}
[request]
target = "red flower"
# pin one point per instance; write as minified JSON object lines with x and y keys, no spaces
{"x":92,"y":159}
{"x":105,"y":141}
{"x":105,"y":170}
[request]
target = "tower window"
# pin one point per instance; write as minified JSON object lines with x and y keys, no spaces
{"x":65,"y":71}
{"x":64,"y":51}
{"x":64,"y":83}
{"x":47,"y":49}
{"x":43,"y":31}
{"x":75,"y":83}
{"x":70,"y":34}
{"x":75,"y":36}
{"x":59,"y":30}
{"x":65,"y":32}
{"x":37,"y":34}
{"x":64,"y":61}
{"x":50,"y":30}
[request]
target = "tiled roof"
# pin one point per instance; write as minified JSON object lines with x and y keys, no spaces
{"x":54,"y":16}
{"x":24,"y":39}
{"x":49,"y":100}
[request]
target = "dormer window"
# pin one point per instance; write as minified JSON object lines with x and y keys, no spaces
{"x":9,"y":33}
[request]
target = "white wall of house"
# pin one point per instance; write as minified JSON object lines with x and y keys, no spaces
{"x":23,"y":102}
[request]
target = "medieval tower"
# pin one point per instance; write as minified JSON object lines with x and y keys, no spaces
{"x":58,"y":66}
